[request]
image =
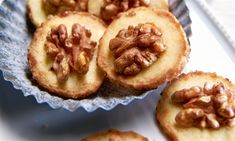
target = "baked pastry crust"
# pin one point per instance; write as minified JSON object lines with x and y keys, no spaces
{"x":94,"y":6}
{"x":77,"y":86}
{"x":36,"y":12}
{"x":112,"y":134}
{"x":166,"y":110}
{"x":168,"y":65}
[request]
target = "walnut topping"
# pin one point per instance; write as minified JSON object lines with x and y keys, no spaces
{"x":61,"y":6}
{"x":61,"y":66}
{"x":206,"y":107}
{"x":136,"y":48}
{"x":70,"y":53}
{"x":112,"y":7}
{"x":188,"y":117}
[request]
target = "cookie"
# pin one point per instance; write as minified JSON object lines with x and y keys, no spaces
{"x":115,"y":135}
{"x":63,"y":52}
{"x":143,"y":48}
{"x":184,"y":116}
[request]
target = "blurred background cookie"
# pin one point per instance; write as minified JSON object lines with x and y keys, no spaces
{"x":115,"y":135}
{"x":39,"y":10}
{"x":109,"y":9}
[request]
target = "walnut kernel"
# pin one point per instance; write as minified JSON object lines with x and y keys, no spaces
{"x":217,"y":102}
{"x":189,"y":117}
{"x":61,"y":67}
{"x":136,"y":48}
{"x":70,"y":53}
{"x":62,"y":6}
{"x":111,"y":8}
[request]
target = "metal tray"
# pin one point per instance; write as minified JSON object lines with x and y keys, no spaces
{"x":22,"y":119}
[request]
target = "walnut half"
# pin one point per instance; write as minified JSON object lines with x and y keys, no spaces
{"x":111,"y":8}
{"x":217,"y":103}
{"x":136,"y":48}
{"x":61,"y":6}
{"x":70,"y":53}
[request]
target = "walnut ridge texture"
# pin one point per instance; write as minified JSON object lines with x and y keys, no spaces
{"x":136,"y":48}
{"x":70,"y":53}
{"x":205,"y":107}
